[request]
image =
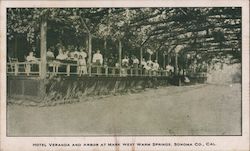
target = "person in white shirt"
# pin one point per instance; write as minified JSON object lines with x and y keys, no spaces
{"x":98,"y":61}
{"x":31,"y":57}
{"x":169,"y":69}
{"x":135,"y":62}
{"x":97,"y":58}
{"x":82,"y":53}
{"x":150,"y":63}
{"x":155,"y":67}
{"x":50,"y":57}
{"x":50,"y":54}
{"x":82,"y":69}
{"x":61,"y":55}
{"x":125,"y":61}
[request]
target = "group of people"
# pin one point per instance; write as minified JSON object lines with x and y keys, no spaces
{"x":79,"y":57}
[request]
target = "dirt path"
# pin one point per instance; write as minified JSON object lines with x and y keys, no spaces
{"x":188,"y":110}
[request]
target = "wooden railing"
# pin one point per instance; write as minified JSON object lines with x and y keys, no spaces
{"x":24,"y":68}
{"x":69,"y":69}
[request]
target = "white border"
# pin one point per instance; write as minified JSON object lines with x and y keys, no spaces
{"x":239,"y":143}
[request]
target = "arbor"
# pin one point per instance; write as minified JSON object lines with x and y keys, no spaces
{"x":204,"y":32}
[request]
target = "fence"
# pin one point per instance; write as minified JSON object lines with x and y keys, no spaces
{"x":69,"y":69}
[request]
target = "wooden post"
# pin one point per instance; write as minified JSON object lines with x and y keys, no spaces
{"x":120,"y":55}
{"x":16,"y":69}
{"x":176,"y":64}
{"x":120,"y":52}
{"x":156,"y":55}
{"x":15,"y":47}
{"x":164,"y":61}
{"x":106,"y":71}
{"x":90,"y":48}
{"x":168,"y":58}
{"x":90,"y":52}
{"x":68,"y":70}
{"x":86,"y":43}
{"x":141,"y":55}
{"x":43,"y":48}
{"x":105,"y":43}
{"x":39,"y":68}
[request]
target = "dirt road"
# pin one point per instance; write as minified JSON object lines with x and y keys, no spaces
{"x":187,"y":110}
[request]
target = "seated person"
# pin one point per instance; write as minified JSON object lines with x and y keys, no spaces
{"x":97,"y":58}
{"x":61,"y":55}
{"x":147,"y":68}
{"x":31,"y":57}
{"x":125,"y":61}
{"x":170,"y":69}
{"x":50,"y":54}
{"x":150,"y":63}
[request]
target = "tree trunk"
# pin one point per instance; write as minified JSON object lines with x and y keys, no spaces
{"x":43,"y":48}
{"x":90,"y":48}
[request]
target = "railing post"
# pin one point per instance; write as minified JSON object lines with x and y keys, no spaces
{"x":68,"y":69}
{"x":106,"y":71}
{"x":131,"y":72}
{"x":28,"y":68}
{"x":16,"y":68}
{"x":54,"y":69}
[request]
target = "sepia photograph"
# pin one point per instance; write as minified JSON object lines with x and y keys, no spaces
{"x":124,"y":71}
{"x":124,"y":75}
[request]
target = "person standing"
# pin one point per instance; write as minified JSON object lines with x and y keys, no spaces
{"x":97,"y":61}
{"x":82,"y":69}
{"x":30,"y":59}
{"x":97,"y":58}
{"x":135,"y":64}
{"x":155,"y":67}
